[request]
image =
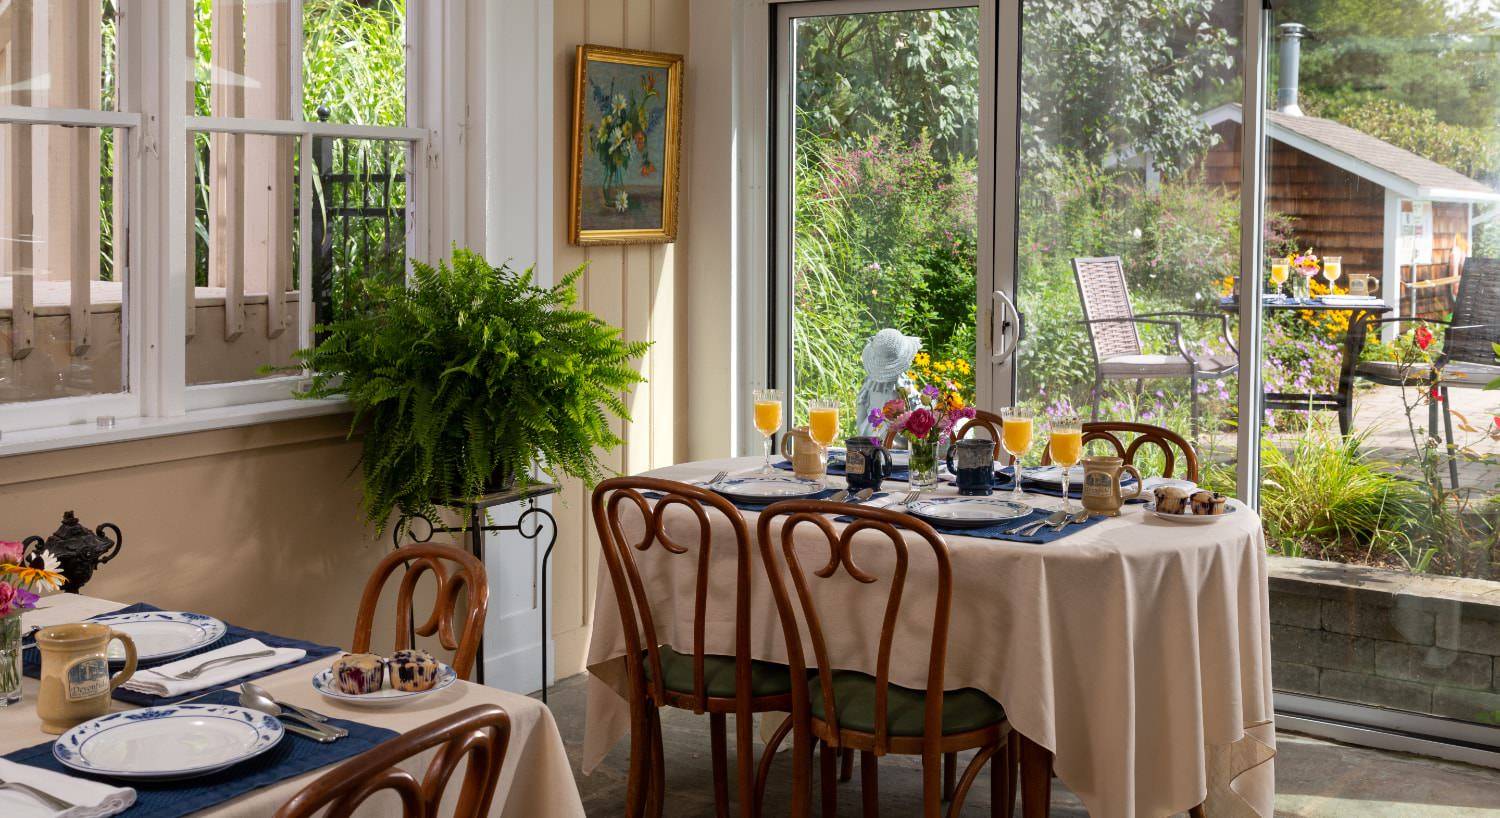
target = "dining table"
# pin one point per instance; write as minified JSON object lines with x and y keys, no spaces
{"x":1135,"y":650}
{"x":535,"y":780}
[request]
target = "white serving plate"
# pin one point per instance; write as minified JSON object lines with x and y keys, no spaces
{"x":162,"y":634}
{"x":169,"y":742}
{"x":1153,"y":483}
{"x":384,"y":697}
{"x":967,"y":512}
{"x":1189,"y":518}
{"x":761,"y":488}
{"x":1052,"y":475}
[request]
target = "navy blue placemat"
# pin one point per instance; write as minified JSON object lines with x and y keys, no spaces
{"x":997,"y":531}
{"x":291,"y":757}
{"x":1003,"y":481}
{"x":31,"y":658}
{"x":744,"y":506}
{"x":898,"y":473}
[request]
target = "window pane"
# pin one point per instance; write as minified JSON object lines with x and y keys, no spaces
{"x":1113,"y":141}
{"x":58,"y":53}
{"x":244,"y":313}
{"x":62,"y":288}
{"x":354,"y":61}
{"x":885,"y":139}
{"x":1381,"y":160}
{"x":359,"y":224}
{"x":242,"y":58}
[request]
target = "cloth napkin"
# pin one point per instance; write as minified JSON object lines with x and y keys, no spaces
{"x":153,"y":682}
{"x":94,"y":800}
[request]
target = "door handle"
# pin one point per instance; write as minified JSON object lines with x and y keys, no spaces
{"x":1012,"y":329}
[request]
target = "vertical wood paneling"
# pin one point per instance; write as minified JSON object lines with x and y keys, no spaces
{"x":632,"y":287}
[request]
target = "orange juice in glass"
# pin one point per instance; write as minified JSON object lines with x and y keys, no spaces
{"x":1066,"y":448}
{"x":1015,"y":438}
{"x":767,"y":419}
{"x":1279,"y":271}
{"x":823,"y":421}
{"x":1333,"y":267}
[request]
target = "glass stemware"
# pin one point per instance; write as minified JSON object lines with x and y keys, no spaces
{"x":1015,"y":438}
{"x":1066,"y":448}
{"x":767,"y":419}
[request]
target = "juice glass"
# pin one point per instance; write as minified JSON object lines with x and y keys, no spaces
{"x":1333,"y":267}
{"x":1279,"y":271}
{"x":1015,"y":438}
{"x":823,"y":421}
{"x":767,"y":419}
{"x":1066,"y":448}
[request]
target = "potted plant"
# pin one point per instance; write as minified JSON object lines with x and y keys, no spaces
{"x":468,"y":378}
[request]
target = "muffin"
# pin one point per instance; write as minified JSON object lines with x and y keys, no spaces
{"x":413,"y":670}
{"x":1208,"y":503}
{"x":1171,"y":500}
{"x":358,"y":673}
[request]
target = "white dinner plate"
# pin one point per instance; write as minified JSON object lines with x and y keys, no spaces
{"x":1189,"y":518}
{"x":967,"y":512}
{"x":161,"y":634}
{"x":1152,"y":483}
{"x":384,"y":697}
{"x":1052,"y":475}
{"x":763,"y":488}
{"x":163,"y":743}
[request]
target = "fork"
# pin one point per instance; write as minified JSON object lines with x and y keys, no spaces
{"x":50,"y":800}
{"x":716,"y":478}
{"x":911,"y":497}
{"x":195,"y":672}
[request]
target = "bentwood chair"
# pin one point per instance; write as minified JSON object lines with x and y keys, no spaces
{"x":851,"y":709}
{"x":1467,"y":360}
{"x":480,"y":734}
{"x":1145,"y":434}
{"x":1115,"y":337}
{"x":685,"y":676}
{"x":456,"y":572}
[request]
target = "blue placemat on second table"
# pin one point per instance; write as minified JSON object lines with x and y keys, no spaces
{"x":745,"y":506}
{"x":291,"y":757}
{"x":31,"y":658}
{"x":997,"y":531}
{"x":1075,"y":490}
{"x":836,"y":468}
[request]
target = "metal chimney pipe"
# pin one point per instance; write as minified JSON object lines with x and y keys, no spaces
{"x":1291,"y":35}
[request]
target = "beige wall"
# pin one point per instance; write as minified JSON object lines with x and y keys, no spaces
{"x":640,"y":288}
{"x":259,"y":525}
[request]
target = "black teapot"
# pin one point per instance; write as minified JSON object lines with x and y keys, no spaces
{"x":78,"y":550}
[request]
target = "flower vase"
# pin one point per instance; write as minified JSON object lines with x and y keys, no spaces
{"x":1302,"y":288}
{"x":924,"y":460}
{"x":10,"y":659}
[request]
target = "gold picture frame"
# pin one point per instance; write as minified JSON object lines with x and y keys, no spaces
{"x":627,"y":129}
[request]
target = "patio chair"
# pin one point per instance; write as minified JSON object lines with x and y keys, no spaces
{"x":1467,"y":360}
{"x":480,"y":734}
{"x":1115,"y":338}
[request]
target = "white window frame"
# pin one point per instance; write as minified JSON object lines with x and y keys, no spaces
{"x":155,"y":137}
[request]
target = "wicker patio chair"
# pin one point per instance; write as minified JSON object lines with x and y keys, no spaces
{"x":1115,"y":338}
{"x":1467,"y":360}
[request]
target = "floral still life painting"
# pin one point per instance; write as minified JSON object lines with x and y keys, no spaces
{"x":627,"y":121}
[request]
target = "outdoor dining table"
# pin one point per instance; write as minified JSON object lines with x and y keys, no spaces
{"x":534,"y":781}
{"x":1136,"y":650}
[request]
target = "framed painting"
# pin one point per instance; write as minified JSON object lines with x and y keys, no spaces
{"x":627,"y":129}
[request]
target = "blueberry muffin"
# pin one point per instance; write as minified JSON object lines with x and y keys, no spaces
{"x":413,"y":670}
{"x":358,"y":673}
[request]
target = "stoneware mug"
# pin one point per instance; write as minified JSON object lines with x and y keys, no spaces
{"x":1101,"y":484}
{"x":972,"y":462}
{"x":1363,"y":285}
{"x":76,"y":684}
{"x":806,"y":455}
{"x":867,"y":464}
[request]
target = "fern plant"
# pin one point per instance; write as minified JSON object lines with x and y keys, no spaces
{"x":467,"y":376}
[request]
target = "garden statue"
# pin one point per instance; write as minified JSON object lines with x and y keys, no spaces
{"x":887,"y":358}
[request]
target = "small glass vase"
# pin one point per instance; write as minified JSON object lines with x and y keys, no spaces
{"x":924,"y":460}
{"x":1302,"y":287}
{"x":10,"y":659}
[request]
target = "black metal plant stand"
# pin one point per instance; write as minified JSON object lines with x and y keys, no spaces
{"x":539,"y":518}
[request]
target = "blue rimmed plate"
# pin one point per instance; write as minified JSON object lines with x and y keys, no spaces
{"x":163,"y":634}
{"x":967,"y":512}
{"x":766,"y":488}
{"x":168,"y":742}
{"x":384,"y":697}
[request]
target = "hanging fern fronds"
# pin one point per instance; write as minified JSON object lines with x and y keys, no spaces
{"x":466,"y":373}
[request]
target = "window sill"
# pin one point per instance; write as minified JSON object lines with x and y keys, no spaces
{"x":33,"y":441}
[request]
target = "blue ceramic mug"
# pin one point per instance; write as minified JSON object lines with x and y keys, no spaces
{"x":866,"y":464}
{"x":974,"y":471}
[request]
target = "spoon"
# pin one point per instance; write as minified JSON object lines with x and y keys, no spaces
{"x":254,"y":689}
{"x":863,"y":495}
{"x":1027,"y":529}
{"x":268,"y":705}
{"x":1076,"y":517}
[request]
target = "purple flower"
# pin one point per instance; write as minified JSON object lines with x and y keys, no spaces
{"x":931,"y":391}
{"x":876,"y":418}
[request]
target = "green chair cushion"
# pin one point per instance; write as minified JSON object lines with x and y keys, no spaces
{"x":854,"y":696}
{"x":766,"y":678}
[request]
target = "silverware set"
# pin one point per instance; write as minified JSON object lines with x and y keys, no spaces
{"x":299,"y":720}
{"x":1057,"y":521}
{"x":196,"y":671}
{"x":843,"y":496}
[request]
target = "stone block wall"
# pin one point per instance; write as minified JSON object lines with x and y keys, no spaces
{"x":1385,"y":638}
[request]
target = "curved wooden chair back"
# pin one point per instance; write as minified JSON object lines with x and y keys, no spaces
{"x":456,"y":572}
{"x":781,"y":550}
{"x":990,"y":422}
{"x":481,"y":734}
{"x":641,"y":638}
{"x":1145,"y":434}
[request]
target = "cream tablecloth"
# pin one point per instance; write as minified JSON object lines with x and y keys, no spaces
{"x":1137,"y":650}
{"x":535,"y":781}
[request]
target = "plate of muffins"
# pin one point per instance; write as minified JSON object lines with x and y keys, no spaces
{"x":369,"y":680}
